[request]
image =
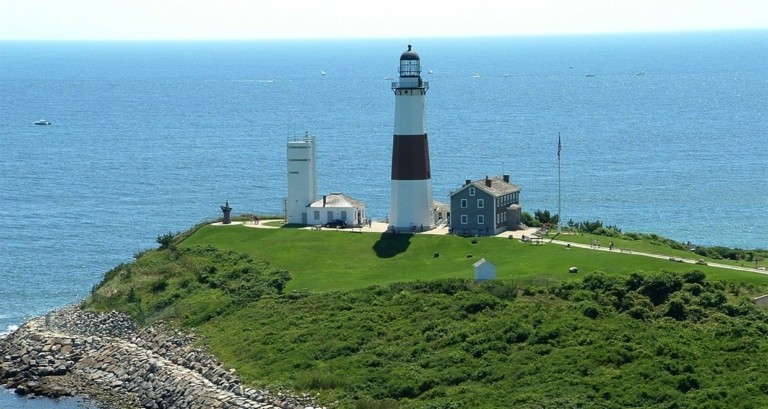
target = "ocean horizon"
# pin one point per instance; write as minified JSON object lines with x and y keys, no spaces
{"x":661,"y":133}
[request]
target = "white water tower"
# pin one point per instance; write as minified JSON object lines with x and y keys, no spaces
{"x":302,"y":178}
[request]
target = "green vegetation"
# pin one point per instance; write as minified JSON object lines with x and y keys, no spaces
{"x":382,"y":321}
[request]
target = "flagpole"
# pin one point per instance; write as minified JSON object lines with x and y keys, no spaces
{"x":559,"y":202}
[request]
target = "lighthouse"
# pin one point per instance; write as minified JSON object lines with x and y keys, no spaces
{"x":410,"y":204}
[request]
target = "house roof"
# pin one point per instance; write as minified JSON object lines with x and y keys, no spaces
{"x":440,"y":206}
{"x":498,"y":187}
{"x":483,"y":261}
{"x":337,"y":200}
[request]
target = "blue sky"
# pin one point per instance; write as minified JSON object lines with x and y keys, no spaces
{"x":289,"y":19}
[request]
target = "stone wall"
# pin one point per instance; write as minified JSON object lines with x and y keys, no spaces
{"x":106,"y":356}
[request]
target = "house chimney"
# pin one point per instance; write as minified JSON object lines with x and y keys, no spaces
{"x":487,"y":181}
{"x":323,"y":200}
{"x":506,"y":178}
{"x":467,"y":181}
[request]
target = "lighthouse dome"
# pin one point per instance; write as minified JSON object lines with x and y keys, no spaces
{"x":410,"y":64}
{"x":409,"y":54}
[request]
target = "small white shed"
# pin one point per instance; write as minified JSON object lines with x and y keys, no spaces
{"x":484,"y":270}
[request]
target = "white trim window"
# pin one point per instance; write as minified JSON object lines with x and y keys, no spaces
{"x":472,"y":191}
{"x":464,"y":219}
{"x":480,"y":219}
{"x":480,"y":203}
{"x":464,"y":203}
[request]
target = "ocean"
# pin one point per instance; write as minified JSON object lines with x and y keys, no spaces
{"x":661,"y":133}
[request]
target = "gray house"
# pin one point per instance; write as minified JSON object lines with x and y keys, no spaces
{"x":485,"y":207}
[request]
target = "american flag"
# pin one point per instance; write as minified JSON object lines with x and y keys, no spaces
{"x":559,"y":146}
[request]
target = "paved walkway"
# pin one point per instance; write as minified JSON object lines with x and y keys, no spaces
{"x":381,"y":227}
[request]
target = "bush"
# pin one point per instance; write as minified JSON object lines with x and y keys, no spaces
{"x":503,"y":290}
{"x":529,"y":221}
{"x":479,"y":303}
{"x":590,"y":309}
{"x":165,"y":240}
{"x":278,"y":279}
{"x":159,"y":286}
{"x":658,"y":287}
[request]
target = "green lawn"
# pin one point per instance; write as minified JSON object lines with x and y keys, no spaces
{"x":337,"y":260}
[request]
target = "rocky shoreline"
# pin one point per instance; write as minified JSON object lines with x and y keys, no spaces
{"x":109,"y":359}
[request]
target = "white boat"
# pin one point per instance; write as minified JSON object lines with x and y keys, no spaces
{"x":42,"y":122}
{"x":322,"y":72}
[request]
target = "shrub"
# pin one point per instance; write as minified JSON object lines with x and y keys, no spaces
{"x":658,"y":287}
{"x":517,"y":332}
{"x":687,"y":382}
{"x":165,"y":240}
{"x":590,"y":309}
{"x":132,"y":296}
{"x":158,"y":286}
{"x":676,"y":308}
{"x":278,"y":279}
{"x":544,"y":334}
{"x":607,"y":231}
{"x":503,"y":290}
{"x":478,"y":303}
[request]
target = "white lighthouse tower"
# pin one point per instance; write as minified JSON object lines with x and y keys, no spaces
{"x":411,"y":195}
{"x":302,"y":178}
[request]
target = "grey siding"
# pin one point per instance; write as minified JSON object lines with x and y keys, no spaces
{"x":472,"y":227}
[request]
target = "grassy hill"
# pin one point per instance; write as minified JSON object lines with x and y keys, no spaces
{"x":378,"y":321}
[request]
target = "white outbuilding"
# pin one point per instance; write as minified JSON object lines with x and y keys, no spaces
{"x":337,"y":206}
{"x":484,"y":270}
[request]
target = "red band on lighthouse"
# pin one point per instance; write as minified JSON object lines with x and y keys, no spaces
{"x":410,"y":158}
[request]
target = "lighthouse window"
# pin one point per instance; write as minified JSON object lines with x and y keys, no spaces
{"x":410,"y":68}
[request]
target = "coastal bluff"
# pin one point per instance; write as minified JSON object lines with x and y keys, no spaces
{"x":107,"y":357}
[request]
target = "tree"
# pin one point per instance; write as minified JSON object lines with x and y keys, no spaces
{"x":165,"y":240}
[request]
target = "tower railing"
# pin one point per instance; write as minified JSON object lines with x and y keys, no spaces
{"x":303,"y":138}
{"x":421,"y":84}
